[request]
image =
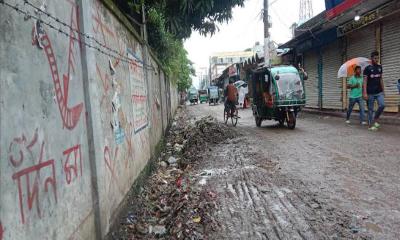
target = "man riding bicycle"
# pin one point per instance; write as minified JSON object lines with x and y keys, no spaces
{"x":230,"y":97}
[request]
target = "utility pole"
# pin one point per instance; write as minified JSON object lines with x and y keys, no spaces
{"x":266,"y":33}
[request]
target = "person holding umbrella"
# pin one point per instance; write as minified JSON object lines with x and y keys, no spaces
{"x":374,"y":90}
{"x":355,"y":85}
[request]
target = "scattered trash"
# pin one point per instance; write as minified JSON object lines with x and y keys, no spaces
{"x":172,"y":160}
{"x":212,"y":194}
{"x":131,"y":218}
{"x":163,"y":164}
{"x":178,"y":148}
{"x":168,"y":206}
{"x":354,"y":225}
{"x":203,"y":181}
{"x":158,"y":230}
{"x":315,"y":205}
{"x":197,"y":219}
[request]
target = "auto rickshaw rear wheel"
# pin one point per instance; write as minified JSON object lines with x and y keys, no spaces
{"x":258,"y":121}
{"x":281,"y":122}
{"x":291,"y":120}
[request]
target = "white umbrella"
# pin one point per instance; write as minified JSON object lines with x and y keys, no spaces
{"x":347,"y":69}
{"x":239,"y":83}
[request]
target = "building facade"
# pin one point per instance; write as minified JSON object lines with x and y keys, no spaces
{"x":328,"y":40}
{"x":220,"y":61}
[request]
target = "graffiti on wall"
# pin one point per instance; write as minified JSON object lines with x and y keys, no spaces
{"x":139,"y":92}
{"x":1,"y":231}
{"x":35,"y":179}
{"x":129,"y":144}
{"x":69,"y":115}
{"x":156,"y":104}
{"x":111,"y":99}
{"x":110,"y":158}
{"x":72,"y":169}
{"x":36,"y":182}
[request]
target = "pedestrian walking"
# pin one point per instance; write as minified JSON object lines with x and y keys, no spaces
{"x":242,"y":94}
{"x":374,"y":90}
{"x":355,"y":85}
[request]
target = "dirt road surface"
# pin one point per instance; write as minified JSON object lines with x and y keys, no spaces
{"x":323,"y":180}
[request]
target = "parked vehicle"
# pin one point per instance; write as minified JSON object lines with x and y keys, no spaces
{"x":193,"y":96}
{"x":213,"y":95}
{"x":278,"y":94}
{"x":203,"y":96}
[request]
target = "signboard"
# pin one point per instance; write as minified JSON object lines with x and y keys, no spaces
{"x":139,"y":92}
{"x":337,"y":7}
{"x":353,"y":25}
{"x":368,"y":18}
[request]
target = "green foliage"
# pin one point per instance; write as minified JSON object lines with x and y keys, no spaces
{"x":183,"y":16}
{"x":169,"y":50}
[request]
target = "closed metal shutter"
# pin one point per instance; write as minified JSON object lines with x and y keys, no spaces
{"x":361,"y":43}
{"x":311,"y":84}
{"x":331,"y":85}
{"x":390,"y":59}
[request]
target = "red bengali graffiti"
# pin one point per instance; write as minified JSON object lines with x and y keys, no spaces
{"x":21,"y":143}
{"x":32,"y":192}
{"x":70,"y":115}
{"x":100,"y":26}
{"x":105,"y":79}
{"x":155,"y":113}
{"x":1,"y":231}
{"x":129,"y":143}
{"x":110,"y":160}
{"x":71,"y":169}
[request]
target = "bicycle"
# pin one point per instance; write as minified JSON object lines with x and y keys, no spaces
{"x":232,"y":113}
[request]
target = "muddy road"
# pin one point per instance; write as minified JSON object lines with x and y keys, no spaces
{"x":323,"y":180}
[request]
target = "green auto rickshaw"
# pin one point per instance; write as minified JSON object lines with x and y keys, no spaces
{"x":203,"y":96}
{"x":193,"y":96}
{"x":278,"y":94}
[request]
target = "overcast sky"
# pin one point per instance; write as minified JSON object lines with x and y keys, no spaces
{"x":246,"y":28}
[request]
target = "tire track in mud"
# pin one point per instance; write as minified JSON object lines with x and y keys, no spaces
{"x":255,"y":202}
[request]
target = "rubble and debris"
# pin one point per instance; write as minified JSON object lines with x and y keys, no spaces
{"x":171,"y":160}
{"x":172,"y":204}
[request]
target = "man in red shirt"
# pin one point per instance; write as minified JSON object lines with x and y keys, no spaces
{"x":231,"y":95}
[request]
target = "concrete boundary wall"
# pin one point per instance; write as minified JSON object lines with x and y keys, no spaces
{"x":78,"y":121}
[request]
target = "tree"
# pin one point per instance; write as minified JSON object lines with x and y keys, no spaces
{"x":183,"y":16}
{"x":169,"y":22}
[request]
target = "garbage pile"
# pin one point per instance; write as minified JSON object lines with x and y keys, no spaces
{"x":188,"y":141}
{"x":172,"y":204}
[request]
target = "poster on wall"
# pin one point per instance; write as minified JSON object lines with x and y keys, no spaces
{"x":139,"y":92}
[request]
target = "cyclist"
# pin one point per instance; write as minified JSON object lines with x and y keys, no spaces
{"x":230,"y":97}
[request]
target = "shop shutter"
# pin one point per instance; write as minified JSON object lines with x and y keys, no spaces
{"x":361,"y":42}
{"x":311,"y":84}
{"x":331,"y":85}
{"x":390,"y":59}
